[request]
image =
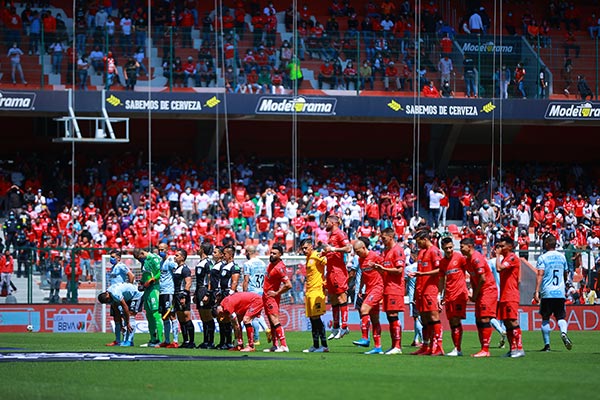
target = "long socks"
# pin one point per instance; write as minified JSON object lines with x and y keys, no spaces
{"x":395,"y":332}
{"x":315,"y":331}
{"x":167,"y":324}
{"x":280,"y":334}
{"x":335,"y":310}
{"x":546,"y":332}
{"x":344,"y":312}
{"x":457,"y":333}
{"x":365,"y":322}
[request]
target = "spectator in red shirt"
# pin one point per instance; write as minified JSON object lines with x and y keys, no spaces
{"x":7,"y":266}
{"x":350,"y":75}
{"x":391,"y":73}
{"x":430,"y":90}
{"x":326,"y":74}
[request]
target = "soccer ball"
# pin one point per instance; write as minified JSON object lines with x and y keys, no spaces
{"x":29,"y":328}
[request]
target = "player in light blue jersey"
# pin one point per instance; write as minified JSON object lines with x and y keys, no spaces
{"x":255,"y":270}
{"x":119,"y":273}
{"x":128,"y":298}
{"x":410,"y":281}
{"x":165,"y":298}
{"x":550,"y":291}
{"x":498,"y":325}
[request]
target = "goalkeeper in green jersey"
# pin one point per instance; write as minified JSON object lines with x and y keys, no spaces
{"x":151,"y":287}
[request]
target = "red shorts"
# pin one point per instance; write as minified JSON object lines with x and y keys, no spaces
{"x":427,"y":302}
{"x":456,"y":309}
{"x":337,"y":283}
{"x":255,"y":308}
{"x":393,"y":302}
{"x":373,"y":297}
{"x":271,"y":305}
{"x":508,"y":310}
{"x":485,"y":306}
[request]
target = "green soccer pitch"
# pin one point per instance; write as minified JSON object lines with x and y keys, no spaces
{"x":344,"y":373}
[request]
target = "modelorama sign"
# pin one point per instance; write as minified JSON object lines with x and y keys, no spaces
{"x":299,"y":105}
{"x":386,"y":108}
{"x":17,"y":101}
{"x":568,"y":110}
{"x":489,"y":47}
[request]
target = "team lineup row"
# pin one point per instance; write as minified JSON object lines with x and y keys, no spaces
{"x":440,"y":281}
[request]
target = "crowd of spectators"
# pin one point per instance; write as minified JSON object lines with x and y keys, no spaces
{"x":117,"y":206}
{"x":258,"y":57}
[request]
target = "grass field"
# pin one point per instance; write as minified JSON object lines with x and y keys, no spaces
{"x":344,"y":373}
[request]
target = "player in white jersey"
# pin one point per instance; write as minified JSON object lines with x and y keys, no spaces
{"x":128,"y":298}
{"x":165,"y":298}
{"x":498,"y":325}
{"x":119,"y":273}
{"x":255,"y":270}
{"x":410,"y":282}
{"x":550,"y":291}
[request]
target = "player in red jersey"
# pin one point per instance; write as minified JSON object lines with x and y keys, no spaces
{"x":508,"y":265}
{"x":372,"y":281}
{"x":428,"y":262}
{"x":393,"y":286}
{"x":485,"y":293}
{"x":337,"y":275}
{"x":241,"y":308}
{"x":276,"y":283}
{"x":453,"y":287}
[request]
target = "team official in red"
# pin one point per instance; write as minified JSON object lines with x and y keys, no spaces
{"x":393,"y":286}
{"x":508,"y":265}
{"x":426,"y":293}
{"x":372,"y":282}
{"x":484,"y":295}
{"x":276,"y":283}
{"x":454,"y":291}
{"x":241,"y":308}
{"x":337,"y":275}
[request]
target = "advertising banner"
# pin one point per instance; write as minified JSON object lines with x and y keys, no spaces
{"x":401,"y":109}
{"x":44,"y":318}
{"x":69,"y":323}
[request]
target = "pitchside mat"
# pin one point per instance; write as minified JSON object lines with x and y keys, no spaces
{"x":90,"y":356}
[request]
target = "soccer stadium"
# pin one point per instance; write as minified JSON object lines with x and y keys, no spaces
{"x":390,"y":184}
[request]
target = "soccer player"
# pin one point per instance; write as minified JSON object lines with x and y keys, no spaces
{"x":552,"y":272}
{"x":241,"y":308}
{"x":182,"y":280}
{"x":393,"y":286}
{"x":119,"y":273}
{"x":337,"y":275}
{"x":315,"y":295}
{"x":150,"y":282}
{"x":202,"y":296}
{"x":410,"y":282}
{"x":428,"y":262}
{"x":372,"y":281}
{"x":453,"y":287}
{"x":255,"y":270}
{"x":484,"y":293}
{"x":165,"y":298}
{"x":276,"y":283}
{"x":508,"y":265}
{"x":497,"y":325}
{"x":125,"y":301}
{"x":228,"y":282}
